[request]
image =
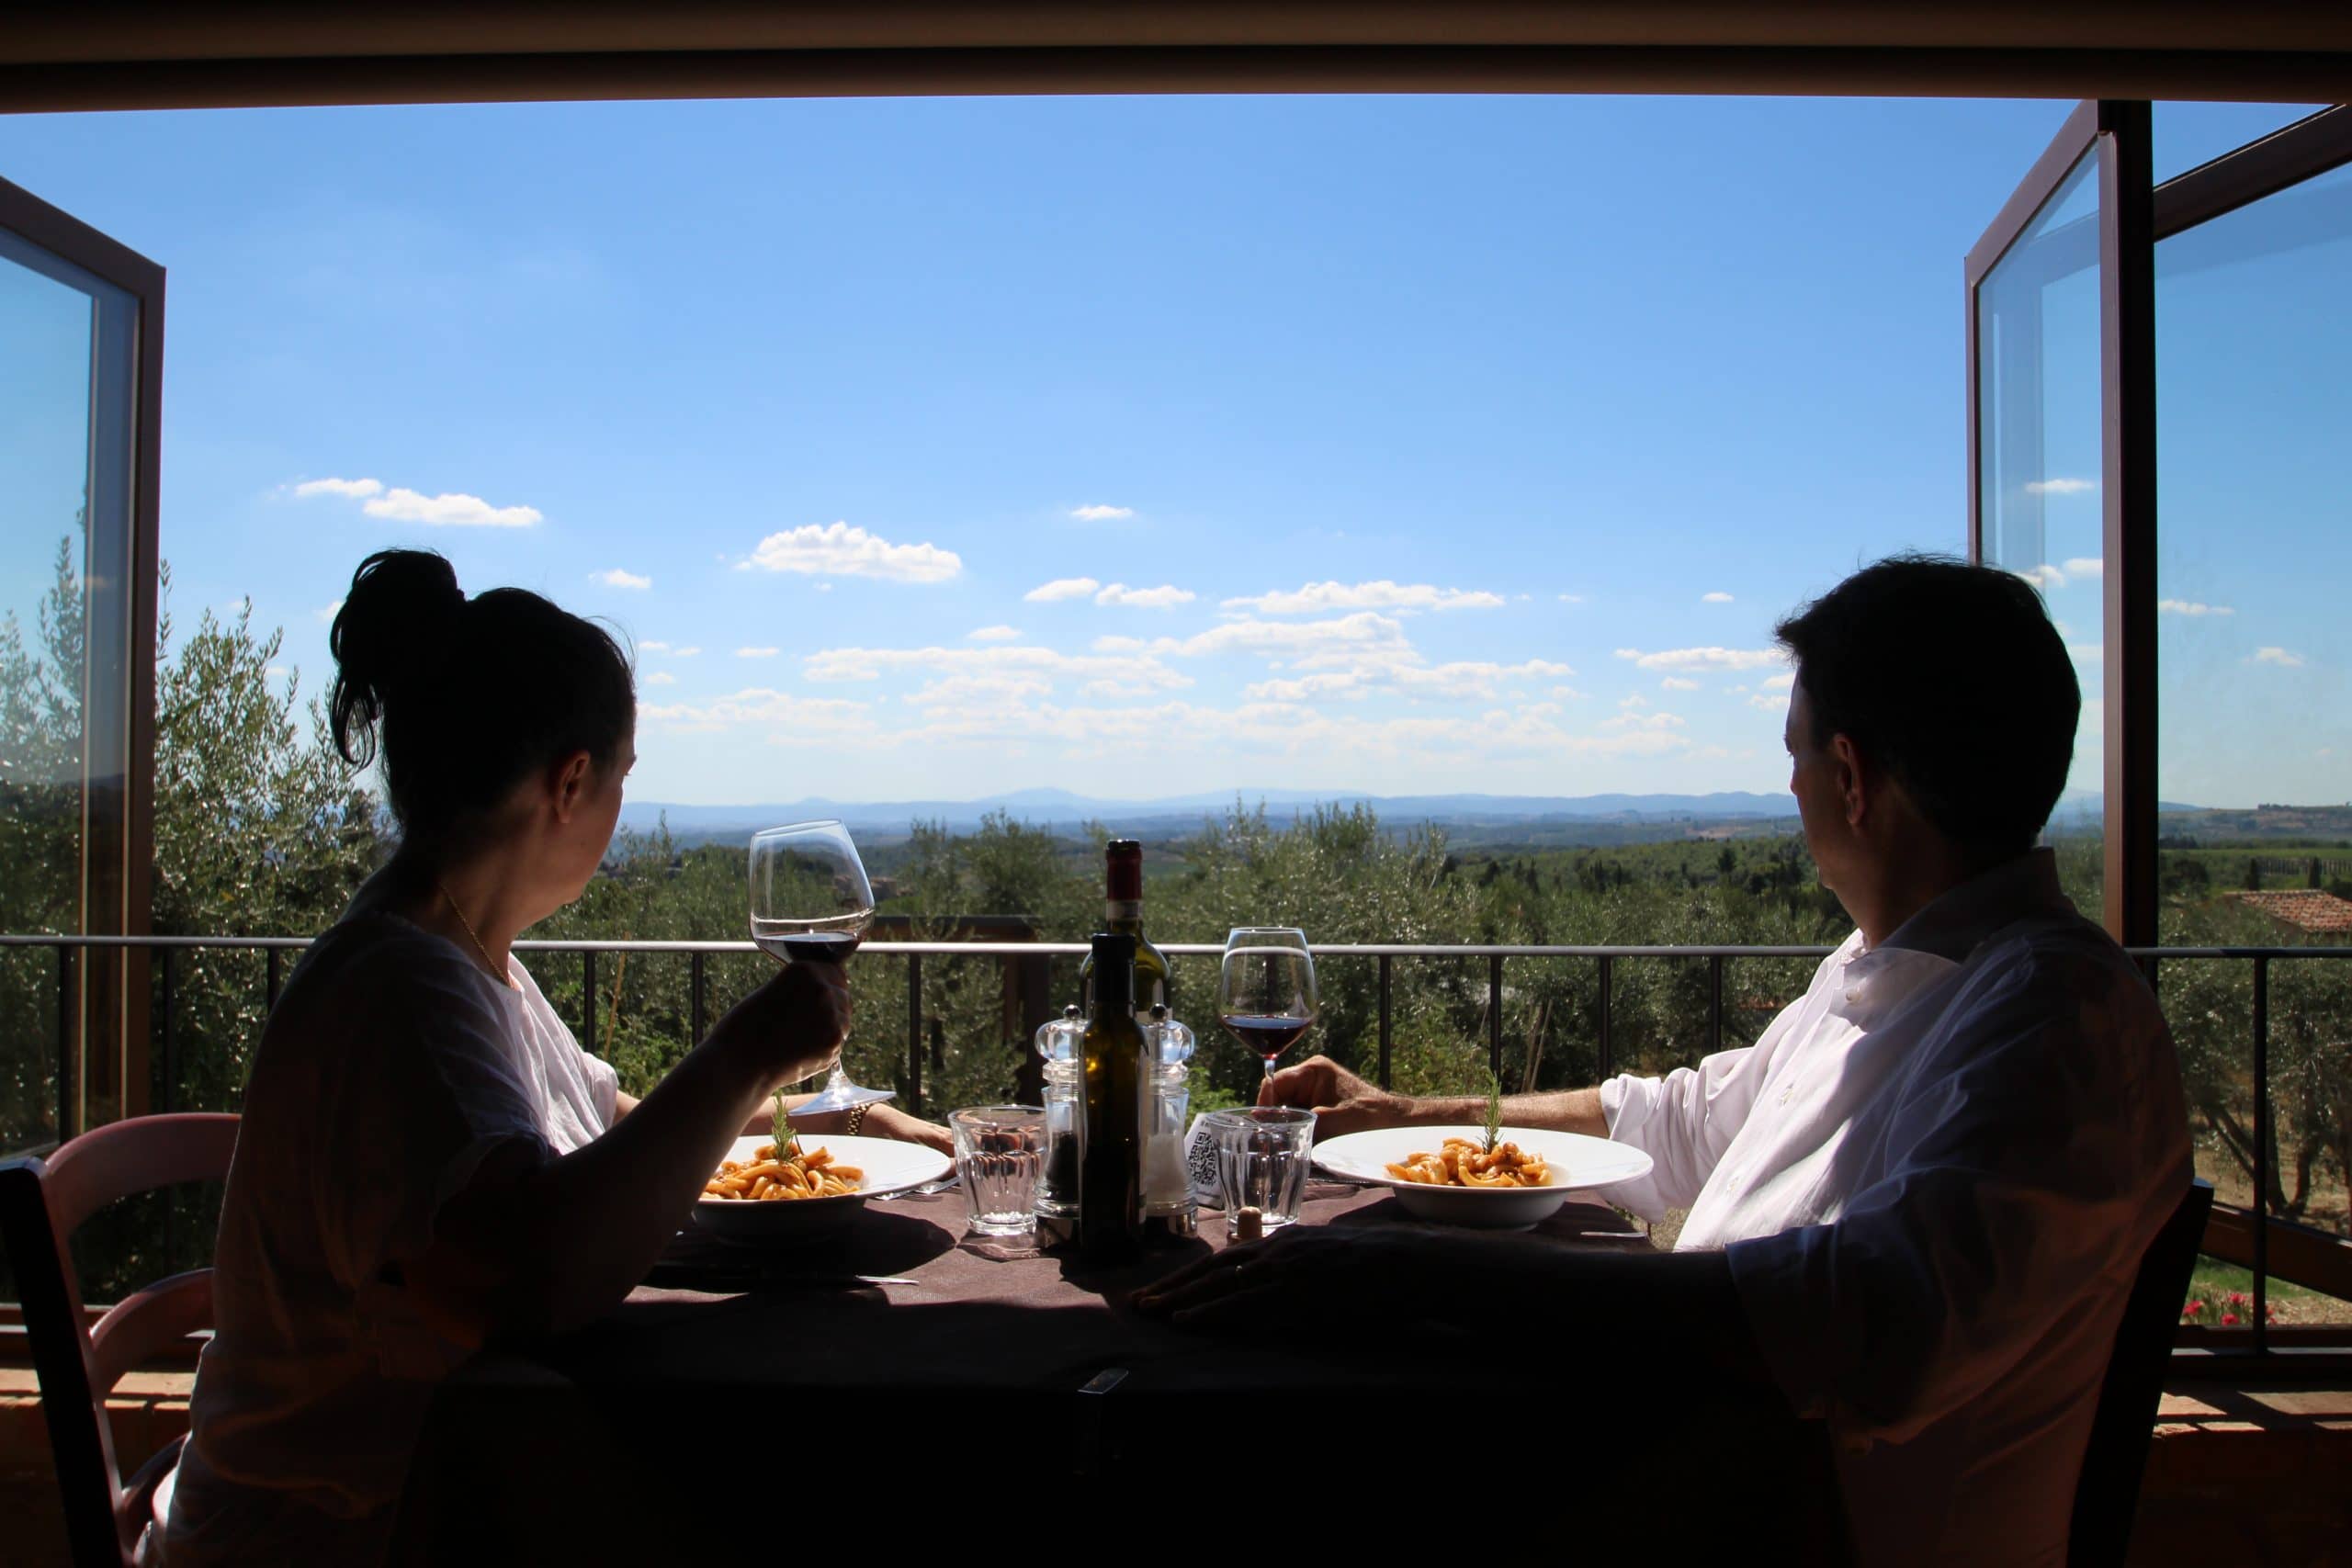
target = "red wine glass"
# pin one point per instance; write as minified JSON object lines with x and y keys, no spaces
{"x":1265,"y":994}
{"x":810,"y":901}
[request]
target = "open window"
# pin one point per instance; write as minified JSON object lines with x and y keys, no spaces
{"x":81,"y":317}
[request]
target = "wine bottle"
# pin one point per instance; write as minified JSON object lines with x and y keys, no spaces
{"x":1123,"y":916}
{"x":1110,"y":1120}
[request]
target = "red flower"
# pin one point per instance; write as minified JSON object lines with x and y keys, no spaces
{"x":2194,"y":1308}
{"x":2229,"y":1320}
{"x":2238,"y":1298}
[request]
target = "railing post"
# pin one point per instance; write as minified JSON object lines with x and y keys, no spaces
{"x":694,"y":1005}
{"x":914,"y":1032}
{"x":269,"y":981}
{"x":1495,"y":1015}
{"x":1384,"y":1032}
{"x":2261,"y":1155}
{"x":1606,"y":1066}
{"x":65,"y":1117}
{"x":1714,"y":1003}
{"x":588,"y":1001}
{"x":168,"y":1098}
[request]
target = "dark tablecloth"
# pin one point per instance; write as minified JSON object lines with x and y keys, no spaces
{"x":737,"y":1387}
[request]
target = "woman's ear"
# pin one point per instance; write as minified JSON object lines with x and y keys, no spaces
{"x":570,"y":784}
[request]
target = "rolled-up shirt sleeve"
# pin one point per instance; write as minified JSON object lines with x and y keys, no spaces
{"x":2048,"y":1157}
{"x":1683,"y":1122}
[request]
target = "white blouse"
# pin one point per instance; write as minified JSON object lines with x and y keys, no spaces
{"x":392,"y":1067}
{"x":1934,"y":1176}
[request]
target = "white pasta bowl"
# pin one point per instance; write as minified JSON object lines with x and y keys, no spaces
{"x":890,"y":1166}
{"x":1577,"y":1163}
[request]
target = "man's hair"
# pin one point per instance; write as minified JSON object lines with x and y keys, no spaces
{"x":1951,"y":678}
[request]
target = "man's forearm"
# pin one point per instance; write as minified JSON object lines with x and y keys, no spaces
{"x":1561,"y":1110}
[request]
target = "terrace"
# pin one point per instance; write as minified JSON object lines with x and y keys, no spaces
{"x":2070,"y":296}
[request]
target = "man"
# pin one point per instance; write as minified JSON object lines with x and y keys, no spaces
{"x":1917,"y":1204}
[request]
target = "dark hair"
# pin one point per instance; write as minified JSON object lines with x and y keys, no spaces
{"x":1951,"y":678}
{"x":463,"y":698}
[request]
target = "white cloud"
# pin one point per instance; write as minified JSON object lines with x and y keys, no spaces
{"x":2060,"y":487}
{"x":994,"y":634}
{"x":1677,"y":683}
{"x":1099,"y":513}
{"x":793,"y":720}
{"x":1003,"y":659}
{"x":836,"y":550}
{"x":329,"y":611}
{"x":2277,"y":656}
{"x":1784,"y":681}
{"x":1768,"y":701}
{"x":1309,"y":644}
{"x":1639,"y":721}
{"x":659,"y":678}
{"x":1321,"y":598}
{"x":1166,"y":596}
{"x":2044,"y":577}
{"x":2084,"y":566}
{"x":357,"y":489}
{"x":1061,"y":588}
{"x":757,"y":652}
{"x":2191,"y":608}
{"x":1457,"y":681}
{"x":450,"y":509}
{"x":1704,"y":658}
{"x":652,"y":647}
{"x":1571,"y":598}
{"x":687,"y":652}
{"x":616,"y":578}
{"x":1569,"y":693}
{"x":1718,"y":597}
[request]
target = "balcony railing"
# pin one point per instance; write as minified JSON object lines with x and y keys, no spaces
{"x":2239,"y":1235}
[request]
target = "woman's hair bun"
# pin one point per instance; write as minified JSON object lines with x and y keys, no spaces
{"x":392,"y":630}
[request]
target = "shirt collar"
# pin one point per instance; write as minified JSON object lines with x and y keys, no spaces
{"x":1951,"y":925}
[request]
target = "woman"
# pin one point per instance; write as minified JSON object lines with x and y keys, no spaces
{"x":427,"y":1159}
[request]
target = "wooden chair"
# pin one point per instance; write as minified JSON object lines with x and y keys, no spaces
{"x":42,"y":1202}
{"x":2107,"y":1495}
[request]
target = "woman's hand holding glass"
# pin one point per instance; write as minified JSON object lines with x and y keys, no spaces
{"x":789,"y":1028}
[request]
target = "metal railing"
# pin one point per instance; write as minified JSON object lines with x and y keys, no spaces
{"x":1716,"y":956}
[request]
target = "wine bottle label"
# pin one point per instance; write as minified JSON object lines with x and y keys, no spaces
{"x":1124,"y":909}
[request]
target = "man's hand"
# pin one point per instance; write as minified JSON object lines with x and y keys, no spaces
{"x":1342,"y":1101}
{"x":790,"y":1027}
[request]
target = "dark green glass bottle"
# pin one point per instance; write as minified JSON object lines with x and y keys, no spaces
{"x":1110,"y":1122}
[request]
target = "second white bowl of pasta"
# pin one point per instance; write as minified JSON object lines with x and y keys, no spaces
{"x":1445,"y":1174}
{"x":824,"y":1188}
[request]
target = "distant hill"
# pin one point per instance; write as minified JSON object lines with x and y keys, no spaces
{"x":1551,"y":818}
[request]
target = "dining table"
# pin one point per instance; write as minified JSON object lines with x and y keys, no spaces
{"x":902,"y":1371}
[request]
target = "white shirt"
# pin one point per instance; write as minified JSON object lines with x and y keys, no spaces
{"x":392,"y":1067}
{"x":1934,"y":1176}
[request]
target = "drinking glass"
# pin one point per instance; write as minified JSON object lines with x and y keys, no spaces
{"x":998,"y":1151}
{"x":1264,"y":1156}
{"x":1265,"y":994}
{"x":810,"y":901}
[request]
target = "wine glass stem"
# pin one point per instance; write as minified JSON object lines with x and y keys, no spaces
{"x":1270,"y":1067}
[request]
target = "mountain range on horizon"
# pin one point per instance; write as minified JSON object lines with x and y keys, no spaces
{"x":1059,"y":808}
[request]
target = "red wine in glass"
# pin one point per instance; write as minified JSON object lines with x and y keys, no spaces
{"x":1269,"y":1037}
{"x":815,"y":947}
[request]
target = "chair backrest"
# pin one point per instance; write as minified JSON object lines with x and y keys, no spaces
{"x":42,"y":1202}
{"x":2107,"y":1495}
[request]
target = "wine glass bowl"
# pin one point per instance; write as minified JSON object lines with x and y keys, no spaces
{"x":811,"y":901}
{"x":1265,"y":995}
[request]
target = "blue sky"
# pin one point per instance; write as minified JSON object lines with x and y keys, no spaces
{"x":1137,"y":446}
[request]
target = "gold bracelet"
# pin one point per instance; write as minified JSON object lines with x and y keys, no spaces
{"x":856,"y":1120}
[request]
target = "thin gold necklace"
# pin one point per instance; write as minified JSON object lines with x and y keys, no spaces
{"x":488,"y":962}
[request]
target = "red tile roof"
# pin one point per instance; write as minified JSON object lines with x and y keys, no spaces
{"x":2303,"y":908}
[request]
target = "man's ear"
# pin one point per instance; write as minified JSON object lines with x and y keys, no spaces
{"x":570,"y":784}
{"x":1855,"y":780}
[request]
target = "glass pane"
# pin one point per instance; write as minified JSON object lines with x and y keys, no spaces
{"x":2184,"y":135}
{"x":65,"y":382}
{"x":2038,"y":392}
{"x":2253,"y":739}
